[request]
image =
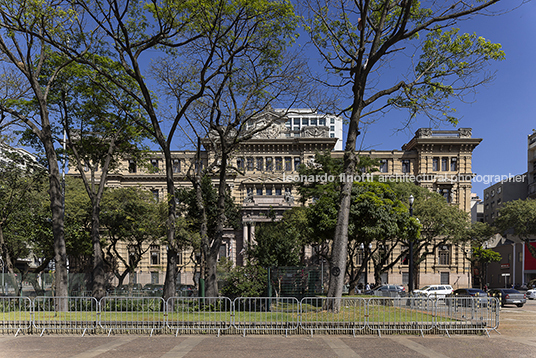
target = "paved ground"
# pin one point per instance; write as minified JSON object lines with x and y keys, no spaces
{"x":517,"y":338}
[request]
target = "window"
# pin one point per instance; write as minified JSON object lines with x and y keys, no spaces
{"x":260,"y":163}
{"x":154,"y":277}
{"x":447,"y":195}
{"x":288,"y":164}
{"x":277,"y":191}
{"x":297,"y":123}
{"x":332,"y":135}
{"x":322,"y":122}
{"x":176,"y":166}
{"x":305,"y":121}
{"x":445,"y":278}
{"x":240,"y":163}
{"x":269,"y":164}
{"x":132,"y":166}
{"x":444,"y":256}
{"x":313,"y":121}
{"x":332,"y":128}
{"x":289,"y":123}
{"x":405,"y":278}
{"x":179,"y":258}
{"x":435,"y":164}
{"x":444,"y":164}
{"x":156,"y":196}
{"x":223,"y":252}
{"x":250,"y":163}
{"x":278,"y":163}
{"x":297,"y":162}
{"x":259,"y":191}
{"x":155,"y":254}
{"x":154,"y":163}
{"x":332,"y":121}
{"x":406,"y":166}
{"x":268,"y":191}
{"x":453,"y":164}
{"x":383,"y":166}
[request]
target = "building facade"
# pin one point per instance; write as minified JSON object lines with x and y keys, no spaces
{"x":268,"y":164}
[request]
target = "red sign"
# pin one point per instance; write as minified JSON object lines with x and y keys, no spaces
{"x":505,"y":266}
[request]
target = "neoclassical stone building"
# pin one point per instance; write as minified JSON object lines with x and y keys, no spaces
{"x":438,"y":160}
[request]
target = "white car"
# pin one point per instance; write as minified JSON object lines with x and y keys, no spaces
{"x":434,"y":291}
{"x":531,"y":294}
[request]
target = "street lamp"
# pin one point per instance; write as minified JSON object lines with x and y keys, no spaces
{"x":410,"y":276}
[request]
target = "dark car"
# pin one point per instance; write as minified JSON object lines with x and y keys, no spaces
{"x":462,"y":297}
{"x":386,"y":290}
{"x":509,"y":296}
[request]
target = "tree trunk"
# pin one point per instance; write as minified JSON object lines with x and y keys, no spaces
{"x":56,"y":207}
{"x":171,"y":267}
{"x":339,"y":251}
{"x":98,"y":290}
{"x":212,"y":259}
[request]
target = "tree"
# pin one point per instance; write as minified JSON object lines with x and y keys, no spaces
{"x":132,"y":218}
{"x":21,"y":180}
{"x":199,"y":42}
{"x":358,"y":39}
{"x":378,"y":216}
{"x":23,"y":54}
{"x":99,"y":130}
{"x":519,"y":218}
{"x":280,"y":243}
{"x":479,"y":256}
{"x":441,"y":223}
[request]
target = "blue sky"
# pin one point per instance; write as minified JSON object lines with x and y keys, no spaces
{"x":503,"y":111}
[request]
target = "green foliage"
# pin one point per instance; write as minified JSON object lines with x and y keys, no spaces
{"x":279,"y":243}
{"x":246,"y":281}
{"x":188,"y":200}
{"x":518,"y":217}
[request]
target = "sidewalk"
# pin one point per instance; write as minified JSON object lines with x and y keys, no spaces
{"x":517,"y":338}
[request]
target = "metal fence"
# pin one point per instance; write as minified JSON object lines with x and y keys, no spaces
{"x":15,"y":313}
{"x":132,"y":313}
{"x":266,"y":314}
{"x":65,"y":313}
{"x":464,"y":314}
{"x":188,"y":314}
{"x":346,"y":314}
{"x":251,"y":314}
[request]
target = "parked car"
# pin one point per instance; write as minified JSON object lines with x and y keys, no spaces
{"x":509,"y":296}
{"x":153,"y":289}
{"x":460,"y":297}
{"x":185,"y":290}
{"x":386,"y":290}
{"x":434,"y":291}
{"x":531,"y":294}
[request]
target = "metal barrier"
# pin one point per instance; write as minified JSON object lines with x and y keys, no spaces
{"x":266,"y":314}
{"x":253,"y":314}
{"x":400,"y":314}
{"x":463,"y":314}
{"x":15,"y":313}
{"x":132,"y":313}
{"x":317,"y":313}
{"x":198,"y":313}
{"x":65,"y":313}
